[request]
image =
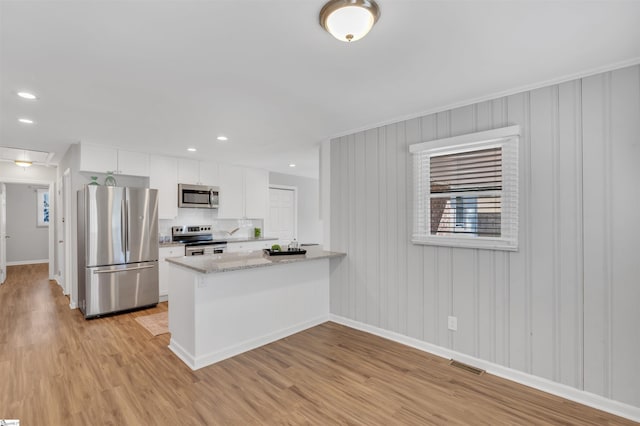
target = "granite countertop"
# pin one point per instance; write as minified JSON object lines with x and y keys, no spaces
{"x":248,"y":260}
{"x":247,"y":240}
{"x":171,"y":244}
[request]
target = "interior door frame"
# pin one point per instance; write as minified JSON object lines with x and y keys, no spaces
{"x":51,"y":207}
{"x":3,"y":226}
{"x":68,"y":258}
{"x":295,"y":205}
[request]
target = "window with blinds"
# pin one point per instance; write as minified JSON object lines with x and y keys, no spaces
{"x":466,"y":190}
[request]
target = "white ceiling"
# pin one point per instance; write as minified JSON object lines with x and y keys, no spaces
{"x":161,"y":76}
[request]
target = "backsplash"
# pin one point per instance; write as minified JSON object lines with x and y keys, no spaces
{"x":221,"y":227}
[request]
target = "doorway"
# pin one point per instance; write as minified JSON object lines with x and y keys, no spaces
{"x":62,"y":236}
{"x":25,"y":234}
{"x":282,"y":222}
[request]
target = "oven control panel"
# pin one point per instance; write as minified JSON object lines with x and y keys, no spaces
{"x":191,"y":230}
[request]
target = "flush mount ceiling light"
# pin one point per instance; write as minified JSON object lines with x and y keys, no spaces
{"x":22,"y":163}
{"x":25,"y":120}
{"x":292,"y":165}
{"x":349,"y":20}
{"x":191,"y":149}
{"x":222,"y":138}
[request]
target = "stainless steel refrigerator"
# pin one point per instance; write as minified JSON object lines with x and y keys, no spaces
{"x":117,"y":249}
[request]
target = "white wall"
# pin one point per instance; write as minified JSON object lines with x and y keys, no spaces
{"x":9,"y":172}
{"x":27,"y":242}
{"x":309,"y":223}
{"x":565,"y":306}
{"x":71,"y":161}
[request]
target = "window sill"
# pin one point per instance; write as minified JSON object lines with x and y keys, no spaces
{"x":486,"y":244}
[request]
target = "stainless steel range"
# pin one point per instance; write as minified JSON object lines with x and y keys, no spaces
{"x":197,"y":240}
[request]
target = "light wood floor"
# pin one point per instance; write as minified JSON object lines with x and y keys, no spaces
{"x":58,"y":369}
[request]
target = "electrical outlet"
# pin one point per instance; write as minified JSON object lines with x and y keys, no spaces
{"x":452,"y":323}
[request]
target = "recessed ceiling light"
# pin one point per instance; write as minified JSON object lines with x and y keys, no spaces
{"x":25,"y":120}
{"x":191,"y":149}
{"x":222,"y":138}
{"x":27,"y":95}
{"x":292,"y":165}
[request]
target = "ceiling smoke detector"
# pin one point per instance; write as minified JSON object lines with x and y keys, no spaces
{"x":349,"y":20}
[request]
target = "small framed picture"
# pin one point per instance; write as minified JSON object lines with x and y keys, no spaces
{"x":43,"y":207}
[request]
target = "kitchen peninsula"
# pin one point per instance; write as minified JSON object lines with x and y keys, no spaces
{"x":225,"y":304}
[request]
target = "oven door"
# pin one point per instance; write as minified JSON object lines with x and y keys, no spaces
{"x":200,"y":250}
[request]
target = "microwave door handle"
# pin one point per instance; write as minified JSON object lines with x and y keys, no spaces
{"x":211,"y":198}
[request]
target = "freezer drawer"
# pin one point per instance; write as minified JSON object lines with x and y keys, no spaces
{"x":120,"y":287}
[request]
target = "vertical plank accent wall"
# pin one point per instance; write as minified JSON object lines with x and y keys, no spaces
{"x":565,"y":306}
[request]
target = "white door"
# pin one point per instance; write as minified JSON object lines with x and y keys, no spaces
{"x":60,"y":223}
{"x":52,"y":230}
{"x":3,"y":233}
{"x":66,"y":254}
{"x":282,"y":214}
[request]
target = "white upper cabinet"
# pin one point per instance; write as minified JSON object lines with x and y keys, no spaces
{"x":231,"y":192}
{"x":244,"y":192}
{"x":188,"y":171}
{"x":209,"y":173}
{"x":103,"y":159}
{"x":133,"y":163}
{"x":96,"y":158}
{"x":198,"y":172}
{"x":163,"y":176}
{"x":256,"y":193}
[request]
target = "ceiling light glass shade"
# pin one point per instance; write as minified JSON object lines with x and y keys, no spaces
{"x":22,"y":163}
{"x":349,"y":20}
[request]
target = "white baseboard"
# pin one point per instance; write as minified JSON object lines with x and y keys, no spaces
{"x":198,"y":362}
{"x":27,"y":262}
{"x":163,"y":297}
{"x":586,"y":398}
{"x":182,"y":353}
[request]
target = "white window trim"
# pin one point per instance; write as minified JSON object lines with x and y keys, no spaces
{"x":508,"y":138}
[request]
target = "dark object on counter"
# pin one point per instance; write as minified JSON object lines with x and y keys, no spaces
{"x":284,"y":252}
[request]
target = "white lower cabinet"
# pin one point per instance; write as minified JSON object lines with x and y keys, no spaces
{"x":163,"y":268}
{"x":236,"y":247}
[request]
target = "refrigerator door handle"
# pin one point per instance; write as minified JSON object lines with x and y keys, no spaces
{"x":123,"y":228}
{"x":113,"y":271}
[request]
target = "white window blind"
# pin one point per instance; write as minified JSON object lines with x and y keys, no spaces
{"x":466,"y":190}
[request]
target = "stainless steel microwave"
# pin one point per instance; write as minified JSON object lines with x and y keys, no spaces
{"x":198,"y":196}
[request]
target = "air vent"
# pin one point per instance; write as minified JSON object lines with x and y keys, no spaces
{"x":466,"y":367}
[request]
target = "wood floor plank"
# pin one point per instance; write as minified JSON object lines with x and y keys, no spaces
{"x":57,"y":368}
